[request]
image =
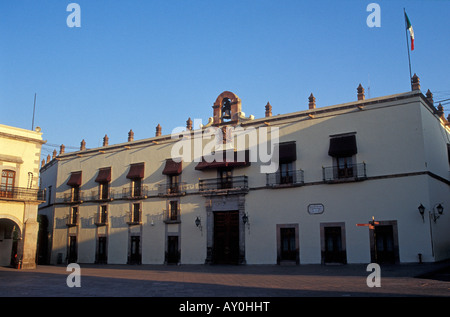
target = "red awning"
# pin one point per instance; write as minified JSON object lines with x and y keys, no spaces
{"x":104,"y":175}
{"x":136,"y":171}
{"x":75,"y":179}
{"x":172,"y":167}
{"x":203,"y":165}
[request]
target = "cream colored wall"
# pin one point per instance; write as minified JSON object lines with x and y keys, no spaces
{"x":23,"y":144}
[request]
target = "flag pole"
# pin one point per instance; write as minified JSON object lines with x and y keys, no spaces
{"x":407,"y":48}
{"x":34,"y":108}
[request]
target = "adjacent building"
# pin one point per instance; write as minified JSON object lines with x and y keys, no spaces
{"x":364,"y":181}
{"x":19,"y":195}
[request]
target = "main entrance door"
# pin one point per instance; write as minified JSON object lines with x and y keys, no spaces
{"x":226,"y":237}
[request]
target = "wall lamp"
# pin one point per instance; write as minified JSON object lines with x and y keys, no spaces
{"x":198,"y":223}
{"x":245,"y":219}
{"x":438,"y":210}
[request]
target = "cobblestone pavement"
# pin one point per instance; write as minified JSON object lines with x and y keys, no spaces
{"x":226,"y":281}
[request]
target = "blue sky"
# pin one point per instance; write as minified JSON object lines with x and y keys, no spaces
{"x":139,"y":63}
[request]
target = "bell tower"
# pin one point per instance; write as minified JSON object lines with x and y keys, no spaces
{"x":226,"y":108}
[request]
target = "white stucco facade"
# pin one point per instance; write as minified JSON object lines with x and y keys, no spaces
{"x":400,"y":161}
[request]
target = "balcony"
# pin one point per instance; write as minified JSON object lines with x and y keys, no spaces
{"x":169,"y":190}
{"x":23,"y":194}
{"x":140,"y":192}
{"x":102,"y":196}
{"x":285,"y":179}
{"x":343,"y":174}
{"x":74,"y":197}
{"x":228,"y":185}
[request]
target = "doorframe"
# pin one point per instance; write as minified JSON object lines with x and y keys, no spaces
{"x":224,"y":203}
{"x":323,"y":225}
{"x":297,"y":243}
{"x":392,"y":223}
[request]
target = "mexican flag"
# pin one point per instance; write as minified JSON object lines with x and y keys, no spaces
{"x":411,"y":31}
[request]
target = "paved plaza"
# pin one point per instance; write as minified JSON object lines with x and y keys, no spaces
{"x":227,"y":281}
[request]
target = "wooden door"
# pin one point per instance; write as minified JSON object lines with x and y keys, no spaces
{"x":135,"y":250}
{"x":333,"y":245}
{"x":384,"y":244}
{"x":172,"y":250}
{"x":226,"y":237}
{"x":288,"y":246}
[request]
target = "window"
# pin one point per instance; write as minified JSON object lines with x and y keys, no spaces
{"x":103,"y":178}
{"x":7,"y":184}
{"x":174,"y":182}
{"x":49,"y":195}
{"x":76,"y":193}
{"x":73,"y":217}
{"x":286,"y":173}
{"x":104,"y":191}
{"x":287,"y":155}
{"x":136,"y":185}
{"x":136,"y":174}
{"x":75,"y":183}
{"x":136,"y":213}
{"x":344,"y":167}
{"x":173,"y":212}
{"x":225,"y":178}
{"x":103,"y":215}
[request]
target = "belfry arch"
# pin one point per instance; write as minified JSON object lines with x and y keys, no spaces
{"x":226,"y":108}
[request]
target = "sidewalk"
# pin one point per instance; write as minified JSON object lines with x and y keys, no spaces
{"x":226,"y":281}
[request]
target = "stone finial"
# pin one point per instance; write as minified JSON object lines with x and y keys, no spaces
{"x":360,"y":91}
{"x":429,"y":96}
{"x":130,"y":136}
{"x":415,"y":81}
{"x":440,"y":111}
{"x":83,"y":145}
{"x":54,"y":154}
{"x":62,"y":149}
{"x":312,"y":101}
{"x":189,"y":124}
{"x":105,"y":140}
{"x":158,"y":130}
{"x":48,"y":158}
{"x":42,"y":163}
{"x":268,"y":110}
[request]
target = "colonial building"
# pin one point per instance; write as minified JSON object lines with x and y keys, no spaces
{"x":19,"y":195}
{"x":365,"y":181}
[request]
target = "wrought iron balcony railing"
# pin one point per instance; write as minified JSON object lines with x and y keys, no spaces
{"x":341,"y":174}
{"x":74,"y":197}
{"x":135,"y":193}
{"x":285,"y":179}
{"x":178,"y":189}
{"x":19,"y":193}
{"x":235,"y":183}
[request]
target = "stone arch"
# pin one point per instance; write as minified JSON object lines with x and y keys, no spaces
{"x":8,"y":245}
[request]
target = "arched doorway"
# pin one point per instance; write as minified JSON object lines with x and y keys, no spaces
{"x":10,"y":248}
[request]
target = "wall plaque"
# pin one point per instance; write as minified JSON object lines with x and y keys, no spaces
{"x":315,"y":209}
